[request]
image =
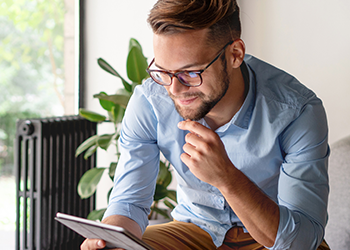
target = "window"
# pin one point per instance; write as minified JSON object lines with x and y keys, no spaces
{"x":37,"y":79}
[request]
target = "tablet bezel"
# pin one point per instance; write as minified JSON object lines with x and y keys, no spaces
{"x":87,"y":228}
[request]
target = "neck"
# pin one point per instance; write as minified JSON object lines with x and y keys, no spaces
{"x":230,"y":104}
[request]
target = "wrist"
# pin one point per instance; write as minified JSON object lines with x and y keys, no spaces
{"x":231,"y":181}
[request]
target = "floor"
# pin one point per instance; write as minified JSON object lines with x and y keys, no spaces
{"x":7,"y":212}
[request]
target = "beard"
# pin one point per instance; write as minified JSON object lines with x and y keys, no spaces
{"x":208,"y":102}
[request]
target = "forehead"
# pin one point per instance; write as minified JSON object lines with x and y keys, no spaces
{"x":176,"y":51}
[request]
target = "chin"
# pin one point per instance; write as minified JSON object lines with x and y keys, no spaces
{"x":191,"y":114}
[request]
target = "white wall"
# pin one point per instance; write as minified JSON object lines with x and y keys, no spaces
{"x":309,"y":39}
{"x":109,"y":26}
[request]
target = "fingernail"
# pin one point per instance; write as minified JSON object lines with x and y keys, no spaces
{"x":99,"y":243}
{"x":179,"y":125}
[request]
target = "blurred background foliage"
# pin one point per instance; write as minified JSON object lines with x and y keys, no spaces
{"x":31,"y":84}
{"x":31,"y":66}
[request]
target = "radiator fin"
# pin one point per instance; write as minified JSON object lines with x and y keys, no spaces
{"x":47,"y":175}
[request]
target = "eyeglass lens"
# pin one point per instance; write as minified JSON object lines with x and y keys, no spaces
{"x":187,"y":78}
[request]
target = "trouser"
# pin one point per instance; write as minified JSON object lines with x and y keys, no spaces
{"x":178,"y":235}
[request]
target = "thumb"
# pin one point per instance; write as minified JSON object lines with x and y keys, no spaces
{"x":100,"y":244}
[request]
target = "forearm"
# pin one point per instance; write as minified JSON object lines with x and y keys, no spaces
{"x":206,"y":157}
{"x":124,"y":222}
{"x":258,"y":213}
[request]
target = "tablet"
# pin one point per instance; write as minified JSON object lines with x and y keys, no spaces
{"x":115,"y":237}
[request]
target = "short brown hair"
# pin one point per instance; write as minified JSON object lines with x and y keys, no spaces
{"x":221,"y":17}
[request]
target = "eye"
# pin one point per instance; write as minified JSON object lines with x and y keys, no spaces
{"x":157,"y":75}
{"x":191,"y":78}
{"x":188,"y":75}
{"x":160,"y":76}
{"x":192,"y":74}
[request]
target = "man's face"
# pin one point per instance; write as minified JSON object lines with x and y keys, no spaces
{"x":189,"y":51}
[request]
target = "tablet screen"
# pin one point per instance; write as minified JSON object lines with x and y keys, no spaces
{"x":113,"y":236}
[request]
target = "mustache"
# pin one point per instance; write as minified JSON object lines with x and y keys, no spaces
{"x":186,"y":95}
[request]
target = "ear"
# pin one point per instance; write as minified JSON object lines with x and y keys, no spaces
{"x":237,"y":53}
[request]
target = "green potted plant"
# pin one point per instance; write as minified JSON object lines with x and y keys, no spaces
{"x":115,"y":106}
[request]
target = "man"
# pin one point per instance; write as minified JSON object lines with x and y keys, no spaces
{"x":248,"y":142}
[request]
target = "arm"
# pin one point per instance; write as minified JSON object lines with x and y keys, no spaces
{"x":299,"y":218}
{"x":124,"y":222}
{"x":258,"y":213}
{"x":303,"y":183}
{"x":116,"y":220}
{"x":136,"y":174}
{"x":203,"y":150}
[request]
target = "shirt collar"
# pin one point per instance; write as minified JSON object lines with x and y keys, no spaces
{"x":242,"y":118}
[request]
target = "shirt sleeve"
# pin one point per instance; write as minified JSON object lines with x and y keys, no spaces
{"x":137,"y":169}
{"x":303,"y":185}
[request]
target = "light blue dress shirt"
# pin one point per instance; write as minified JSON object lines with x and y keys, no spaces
{"x":278,"y":139}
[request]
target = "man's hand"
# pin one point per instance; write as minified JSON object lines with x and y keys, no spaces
{"x":206,"y":157}
{"x":205,"y":154}
{"x":92,"y":244}
{"x":117,"y":220}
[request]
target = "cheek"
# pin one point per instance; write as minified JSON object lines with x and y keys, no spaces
{"x":214,"y":80}
{"x":210,"y":85}
{"x":167,"y":88}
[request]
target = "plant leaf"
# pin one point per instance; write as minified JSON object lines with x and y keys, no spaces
{"x":172,"y":195}
{"x":169,"y":204}
{"x":88,"y":182}
{"x":105,"y":66}
{"x":105,"y":104}
{"x":133,"y":85}
{"x":86,"y":144}
{"x":168,"y":179}
{"x":120,"y":99}
{"x":163,"y":212}
{"x":96,"y":214}
{"x":105,"y":140}
{"x":163,"y":172}
{"x":91,"y":116}
{"x":134,"y":43}
{"x":164,"y":176}
{"x":109,"y":194}
{"x":118,"y":113}
{"x":111,"y":170}
{"x":136,"y":65}
{"x":90,"y":151}
{"x":160,"y":192}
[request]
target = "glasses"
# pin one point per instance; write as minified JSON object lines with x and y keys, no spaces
{"x":189,"y":78}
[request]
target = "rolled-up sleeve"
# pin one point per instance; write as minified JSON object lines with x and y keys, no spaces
{"x":303,"y":183}
{"x":137,"y":169}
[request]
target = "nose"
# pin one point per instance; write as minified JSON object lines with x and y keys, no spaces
{"x":177,"y":87}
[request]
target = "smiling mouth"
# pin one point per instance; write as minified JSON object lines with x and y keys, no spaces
{"x":187,"y":101}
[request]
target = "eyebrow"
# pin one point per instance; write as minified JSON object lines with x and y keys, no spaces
{"x":182,"y":68}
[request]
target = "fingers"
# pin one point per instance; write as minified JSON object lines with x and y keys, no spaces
{"x":193,"y":127}
{"x":198,"y":132}
{"x":194,"y":149}
{"x":200,"y":139}
{"x":186,"y":158}
{"x":92,"y":244}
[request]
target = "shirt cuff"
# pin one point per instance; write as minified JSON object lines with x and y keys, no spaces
{"x":297,"y":231}
{"x":287,"y":229}
{"x":137,"y":214}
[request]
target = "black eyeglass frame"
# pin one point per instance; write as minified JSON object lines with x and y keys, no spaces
{"x":197,"y":72}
